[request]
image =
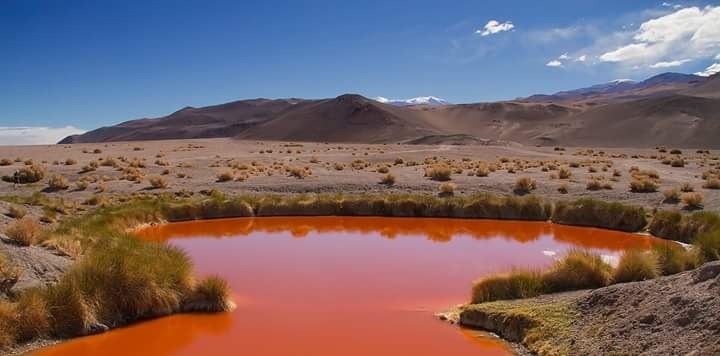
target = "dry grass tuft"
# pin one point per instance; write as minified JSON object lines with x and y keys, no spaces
{"x":210,"y":295}
{"x":636,"y":265}
{"x":225,"y":176}
{"x":158,"y":182}
{"x":447,"y":189}
{"x":524,"y":185}
{"x":693,"y":200}
{"x":16,"y":211}
{"x":439,"y":172}
{"x":513,"y":285}
{"x":578,"y":270}
{"x":388,"y":179}
{"x":58,"y":182}
{"x":25,"y":231}
{"x":32,"y":173}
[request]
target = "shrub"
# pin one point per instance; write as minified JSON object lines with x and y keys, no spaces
{"x":693,"y":200}
{"x":594,"y":184}
{"x":712,"y":183}
{"x":687,"y":187}
{"x":8,"y":275}
{"x":25,"y":231}
{"x":524,"y":185}
{"x":514,"y":285}
{"x":589,"y":212}
{"x":643,"y":185}
{"x":298,"y":172}
{"x":338,"y":166}
{"x":678,"y":162}
{"x":482,"y":171}
{"x":438,"y":172}
{"x":383,"y":169}
{"x":211,"y":294}
{"x":58,"y":182}
{"x":388,"y":179}
{"x":564,"y":173}
{"x":70,"y":162}
{"x":672,"y":196}
{"x":673,"y":259}
{"x":563,"y":189}
{"x":90,"y":167}
{"x":158,"y":182}
{"x":28,"y":174}
{"x":33,"y":318}
{"x":672,"y":225}
{"x":5,"y":162}
{"x":225,"y":176}
{"x":447,"y":189}
{"x":709,"y":245}
{"x":636,"y":265}
{"x":17,"y":211}
{"x":578,"y":270}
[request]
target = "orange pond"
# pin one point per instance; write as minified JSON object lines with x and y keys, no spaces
{"x":343,"y":285}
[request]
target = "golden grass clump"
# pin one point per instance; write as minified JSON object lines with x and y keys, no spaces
{"x":674,"y":259}
{"x":439,"y":172}
{"x":158,"y":182}
{"x":524,"y":185}
{"x":447,"y":189}
{"x":298,"y":172}
{"x":564,"y":173}
{"x":16,"y":211}
{"x":675,"y":226}
{"x":225,"y":176}
{"x":643,"y":185}
{"x":388,"y":179}
{"x":58,"y":182}
{"x":31,"y":173}
{"x":693,"y":200}
{"x":208,"y":295}
{"x":590,"y":212}
{"x":25,"y":231}
{"x":712,"y":183}
{"x":636,"y":265}
{"x":514,"y":285}
{"x":6,"y":162}
{"x":578,"y":270}
{"x":70,"y":162}
{"x":672,"y":196}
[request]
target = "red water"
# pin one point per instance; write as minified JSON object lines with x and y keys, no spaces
{"x":343,"y":286}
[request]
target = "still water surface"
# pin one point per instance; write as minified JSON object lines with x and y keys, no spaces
{"x":343,"y":285}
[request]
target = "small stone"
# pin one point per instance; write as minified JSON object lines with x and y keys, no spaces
{"x":648,"y":319}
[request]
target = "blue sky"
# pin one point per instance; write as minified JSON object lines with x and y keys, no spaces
{"x":92,"y":63}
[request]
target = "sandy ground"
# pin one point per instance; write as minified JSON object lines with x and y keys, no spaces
{"x":201,"y":160}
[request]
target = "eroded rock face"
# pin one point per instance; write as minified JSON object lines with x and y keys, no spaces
{"x":510,"y":327}
{"x":36,"y":266}
{"x":707,"y":271}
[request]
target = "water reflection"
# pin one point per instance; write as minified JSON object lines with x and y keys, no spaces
{"x":343,"y":285}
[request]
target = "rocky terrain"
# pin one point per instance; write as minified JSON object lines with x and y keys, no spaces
{"x":674,"y":315}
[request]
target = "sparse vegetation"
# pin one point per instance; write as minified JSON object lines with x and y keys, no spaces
{"x":158,"y":182}
{"x":31,"y":173}
{"x":636,"y":265}
{"x":25,"y":231}
{"x":16,"y":211}
{"x":589,"y":212}
{"x":524,"y":185}
{"x":693,"y":200}
{"x":447,"y":189}
{"x":225,"y":176}
{"x":388,"y":179}
{"x":439,"y":172}
{"x":58,"y":182}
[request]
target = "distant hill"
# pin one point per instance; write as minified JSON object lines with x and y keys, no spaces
{"x":672,"y":109}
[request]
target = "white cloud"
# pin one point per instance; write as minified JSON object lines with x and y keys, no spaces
{"x":563,"y":57}
{"x":717,"y":57}
{"x":582,"y":58}
{"x":712,"y":69}
{"x":35,"y":135}
{"x":554,"y":63}
{"x":670,"y":64}
{"x":493,"y":27}
{"x":691,"y":32}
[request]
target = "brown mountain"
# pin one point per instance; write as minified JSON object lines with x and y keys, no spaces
{"x":671,"y":109}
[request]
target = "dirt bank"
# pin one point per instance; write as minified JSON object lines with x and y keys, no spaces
{"x":674,"y":315}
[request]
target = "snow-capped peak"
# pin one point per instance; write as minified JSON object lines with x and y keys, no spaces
{"x":622,"y":81}
{"x":421,"y":100}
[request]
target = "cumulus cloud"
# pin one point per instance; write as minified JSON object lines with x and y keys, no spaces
{"x":35,"y":135}
{"x":669,"y":64}
{"x":554,"y":63}
{"x":563,"y":57}
{"x":691,"y":32}
{"x":712,"y":69}
{"x":582,"y":58}
{"x":493,"y":27}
